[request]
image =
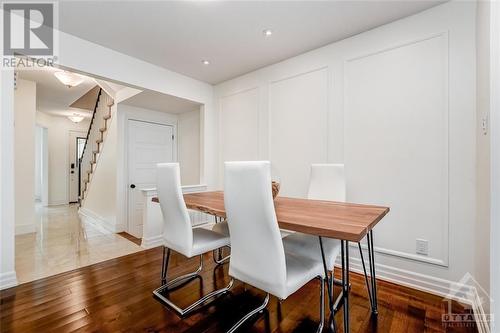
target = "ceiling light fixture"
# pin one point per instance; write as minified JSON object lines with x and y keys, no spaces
{"x":205,"y":62}
{"x":267,"y":32}
{"x":76,"y":118}
{"x":69,"y":79}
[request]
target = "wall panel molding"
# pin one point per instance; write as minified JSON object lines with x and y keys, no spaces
{"x":433,"y":46}
{"x":246,"y":101}
{"x":298,"y":107}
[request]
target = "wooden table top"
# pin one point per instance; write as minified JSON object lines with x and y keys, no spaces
{"x":338,"y":220}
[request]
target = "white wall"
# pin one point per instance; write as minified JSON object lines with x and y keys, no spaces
{"x":495,"y":163}
{"x":25,"y":110}
{"x":188,"y":152}
{"x":58,"y":129}
{"x":482,"y":256}
{"x":397,"y":105}
{"x":7,"y":193}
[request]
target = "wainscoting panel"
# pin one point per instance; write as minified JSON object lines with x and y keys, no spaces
{"x":396,"y":143}
{"x":239,"y":123}
{"x":298,"y":113}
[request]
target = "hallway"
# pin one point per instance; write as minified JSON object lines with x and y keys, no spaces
{"x":63,"y":242}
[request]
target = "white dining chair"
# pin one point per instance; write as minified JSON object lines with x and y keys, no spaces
{"x":257,"y":254}
{"x":327,"y":182}
{"x":180,"y":236}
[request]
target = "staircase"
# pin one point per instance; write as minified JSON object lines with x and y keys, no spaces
{"x":95,"y":138}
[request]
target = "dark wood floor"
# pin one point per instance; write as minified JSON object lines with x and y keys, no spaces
{"x":116,"y":296}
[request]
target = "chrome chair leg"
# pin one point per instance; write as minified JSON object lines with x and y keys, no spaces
{"x":164,"y":265}
{"x":321,"y":304}
{"x":250,"y":314}
{"x":179,"y":280}
{"x":217,"y":256}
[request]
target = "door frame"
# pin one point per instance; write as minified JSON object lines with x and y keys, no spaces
{"x":126,"y":113}
{"x":44,"y":156}
{"x":68,"y":159}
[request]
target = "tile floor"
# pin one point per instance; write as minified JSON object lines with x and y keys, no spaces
{"x":63,"y":242}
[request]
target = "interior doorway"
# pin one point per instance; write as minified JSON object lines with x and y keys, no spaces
{"x":148,"y":144}
{"x":76,"y":144}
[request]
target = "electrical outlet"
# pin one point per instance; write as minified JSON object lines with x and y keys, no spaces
{"x":422,"y":247}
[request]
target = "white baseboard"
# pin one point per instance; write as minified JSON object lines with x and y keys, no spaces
{"x":25,"y":229}
{"x":98,"y":221}
{"x":482,"y":319}
{"x":120,"y":227}
{"x":149,"y":243}
{"x":8,"y":280}
{"x":430,"y":284}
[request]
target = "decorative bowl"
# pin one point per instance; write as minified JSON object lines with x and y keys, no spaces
{"x":275,"y":186}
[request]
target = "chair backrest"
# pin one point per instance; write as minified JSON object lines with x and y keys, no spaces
{"x":257,"y":254}
{"x":327,"y":182}
{"x":177,"y":230}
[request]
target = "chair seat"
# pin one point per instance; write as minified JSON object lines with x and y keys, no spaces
{"x":308,"y":246}
{"x":299,"y":271}
{"x":205,"y":240}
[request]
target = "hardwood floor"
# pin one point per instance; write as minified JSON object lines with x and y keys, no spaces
{"x":131,"y":238}
{"x":116,"y":296}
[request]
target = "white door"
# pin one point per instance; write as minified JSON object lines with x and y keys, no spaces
{"x":148,"y":144}
{"x":76,"y":144}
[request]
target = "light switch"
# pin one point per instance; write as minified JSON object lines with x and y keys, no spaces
{"x":484,"y":125}
{"x":422,"y":247}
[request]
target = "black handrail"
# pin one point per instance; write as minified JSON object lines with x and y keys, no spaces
{"x":85,"y":147}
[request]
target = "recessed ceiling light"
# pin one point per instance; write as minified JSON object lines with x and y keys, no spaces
{"x":267,"y":32}
{"x":205,"y":62}
{"x":76,"y":118}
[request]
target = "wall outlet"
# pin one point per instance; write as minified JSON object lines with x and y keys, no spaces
{"x":422,"y":247}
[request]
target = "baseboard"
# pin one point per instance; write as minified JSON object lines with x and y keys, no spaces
{"x":149,"y":243}
{"x":25,"y":229}
{"x":481,"y":317}
{"x":120,"y":228}
{"x":98,"y":221}
{"x":8,"y":280}
{"x":422,"y":282}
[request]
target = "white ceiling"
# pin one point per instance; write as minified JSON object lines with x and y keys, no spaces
{"x":177,"y":35}
{"x":160,"y":102}
{"x":52,"y":96}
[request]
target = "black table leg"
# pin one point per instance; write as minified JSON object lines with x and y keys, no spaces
{"x":329,"y":287}
{"x":345,"y":282}
{"x":373,"y":279}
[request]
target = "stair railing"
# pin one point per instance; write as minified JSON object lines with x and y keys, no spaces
{"x":86,"y":147}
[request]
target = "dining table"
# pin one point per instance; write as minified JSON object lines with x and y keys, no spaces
{"x":347,"y":222}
